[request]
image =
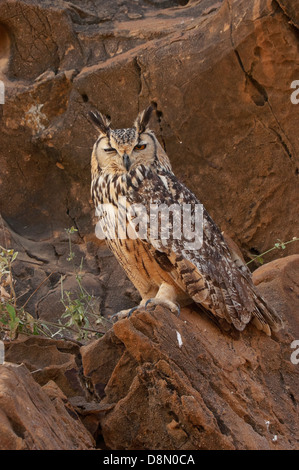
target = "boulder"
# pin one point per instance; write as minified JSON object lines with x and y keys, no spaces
{"x":36,"y":418}
{"x":219,"y":74}
{"x":155,"y":381}
{"x":278,"y":281}
{"x":180,"y":383}
{"x":48,"y":359}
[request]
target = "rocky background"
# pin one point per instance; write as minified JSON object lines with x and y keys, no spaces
{"x":219,"y":74}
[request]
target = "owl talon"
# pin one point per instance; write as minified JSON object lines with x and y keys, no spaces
{"x":123,"y":314}
{"x":147,"y":302}
{"x":174,"y":307}
{"x":132,"y":310}
{"x":115,"y":317}
{"x":120,"y":315}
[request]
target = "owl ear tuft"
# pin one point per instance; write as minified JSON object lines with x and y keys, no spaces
{"x":100,"y":121}
{"x":143,"y":118}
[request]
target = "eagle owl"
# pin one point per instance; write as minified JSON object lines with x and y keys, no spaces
{"x":131,"y":165}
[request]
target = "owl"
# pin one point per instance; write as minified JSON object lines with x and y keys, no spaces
{"x":130,"y":170}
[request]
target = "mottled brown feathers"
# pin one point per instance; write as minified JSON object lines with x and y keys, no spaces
{"x":209,"y":275}
{"x":142,"y":120}
{"x":101,"y":121}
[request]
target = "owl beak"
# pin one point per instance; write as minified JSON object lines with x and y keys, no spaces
{"x":126,"y":160}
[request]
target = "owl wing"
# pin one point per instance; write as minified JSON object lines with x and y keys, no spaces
{"x":211,"y":275}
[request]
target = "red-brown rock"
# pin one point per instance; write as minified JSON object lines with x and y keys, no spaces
{"x":48,"y":359}
{"x":35,"y":418}
{"x":278,"y":282}
{"x":220,"y":74}
{"x":155,"y":381}
{"x":180,"y":383}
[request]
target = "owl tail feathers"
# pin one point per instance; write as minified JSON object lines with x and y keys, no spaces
{"x":264,"y":317}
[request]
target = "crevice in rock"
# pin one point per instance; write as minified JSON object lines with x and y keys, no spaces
{"x":139,"y":75}
{"x":85,"y":97}
{"x":280,"y":135}
{"x":262,"y":93}
{"x":81,"y":16}
{"x":288,"y":18}
{"x":49,"y":292}
{"x":159,"y":117}
{"x":258,"y":87}
{"x":282,"y":142}
{"x":167,"y":3}
{"x":73,"y":219}
{"x":37,"y":258}
{"x":17,"y":428}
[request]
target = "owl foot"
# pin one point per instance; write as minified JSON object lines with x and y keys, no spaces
{"x":120,"y":315}
{"x":133,"y":310}
{"x":173,"y":306}
{"x":123,"y":314}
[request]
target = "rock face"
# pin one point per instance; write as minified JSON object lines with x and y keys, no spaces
{"x":47,"y":360}
{"x":278,"y":281}
{"x":160,"y":382}
{"x":35,"y":418}
{"x":220,"y":74}
{"x":179,"y":384}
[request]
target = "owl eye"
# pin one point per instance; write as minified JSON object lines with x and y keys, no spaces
{"x":140,"y":147}
{"x":110,"y":149}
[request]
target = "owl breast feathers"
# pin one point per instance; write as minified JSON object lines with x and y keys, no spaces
{"x":130,"y":171}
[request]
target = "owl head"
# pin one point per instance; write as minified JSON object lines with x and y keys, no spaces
{"x":122,"y":150}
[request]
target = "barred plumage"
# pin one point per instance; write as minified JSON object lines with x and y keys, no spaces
{"x":131,"y":164}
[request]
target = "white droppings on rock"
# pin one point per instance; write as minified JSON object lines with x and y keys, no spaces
{"x":179,"y":338}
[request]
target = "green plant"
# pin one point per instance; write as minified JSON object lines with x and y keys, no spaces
{"x":7,"y":257}
{"x":79,"y":306}
{"x":279,"y":245}
{"x":9,"y":319}
{"x":69,"y":232}
{"x":13,"y":319}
